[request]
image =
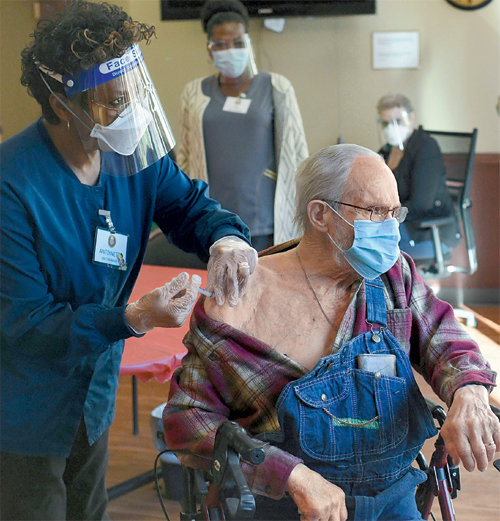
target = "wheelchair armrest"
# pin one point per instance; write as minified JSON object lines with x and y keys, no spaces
{"x":437,"y":221}
{"x":436,"y":410}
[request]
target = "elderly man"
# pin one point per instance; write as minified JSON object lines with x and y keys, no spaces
{"x":296,"y":354}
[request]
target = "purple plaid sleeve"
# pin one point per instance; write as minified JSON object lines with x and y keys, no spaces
{"x":439,"y":346}
{"x":228,"y":374}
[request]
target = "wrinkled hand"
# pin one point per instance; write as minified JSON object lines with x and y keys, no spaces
{"x":231,"y":263}
{"x":316,"y":498}
{"x":167,"y":306}
{"x":471,"y":431}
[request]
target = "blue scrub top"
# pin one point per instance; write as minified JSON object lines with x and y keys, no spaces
{"x":62,"y":315}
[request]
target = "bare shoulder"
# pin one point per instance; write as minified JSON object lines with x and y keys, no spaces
{"x":266,"y":275}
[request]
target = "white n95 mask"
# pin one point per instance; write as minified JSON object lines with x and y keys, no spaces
{"x":231,"y":62}
{"x":124,"y":133}
{"x":396,"y":134}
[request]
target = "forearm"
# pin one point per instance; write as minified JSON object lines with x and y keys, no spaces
{"x":442,"y":350}
{"x":268,"y":478}
{"x":191,"y":419}
{"x":59,"y":332}
{"x":189,"y":217}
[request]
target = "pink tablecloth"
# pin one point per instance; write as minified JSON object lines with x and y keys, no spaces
{"x":158,"y":353}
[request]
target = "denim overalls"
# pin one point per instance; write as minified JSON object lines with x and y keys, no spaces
{"x":361,"y":430}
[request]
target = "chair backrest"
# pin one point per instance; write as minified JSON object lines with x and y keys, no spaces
{"x":458,"y":149}
{"x":161,"y":252}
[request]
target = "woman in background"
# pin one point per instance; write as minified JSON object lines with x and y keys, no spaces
{"x":417,"y":163}
{"x":241,"y":130}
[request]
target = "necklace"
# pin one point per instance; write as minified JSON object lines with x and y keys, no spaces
{"x":311,"y":288}
{"x":236,"y":90}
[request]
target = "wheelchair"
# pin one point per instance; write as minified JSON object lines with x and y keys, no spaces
{"x":222,"y":493}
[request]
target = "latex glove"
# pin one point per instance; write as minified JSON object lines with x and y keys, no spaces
{"x":167,"y":306}
{"x":315,"y":497}
{"x":471,"y":431}
{"x":230,"y":265}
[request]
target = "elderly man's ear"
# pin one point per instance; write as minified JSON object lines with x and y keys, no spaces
{"x":319,"y":215}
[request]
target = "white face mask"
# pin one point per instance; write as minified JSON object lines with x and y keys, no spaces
{"x":231,"y":62}
{"x":123,"y":135}
{"x":396,"y":134}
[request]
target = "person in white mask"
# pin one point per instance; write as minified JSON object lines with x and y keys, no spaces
{"x":80,"y":188}
{"x":241,"y":129}
{"x":417,"y":164}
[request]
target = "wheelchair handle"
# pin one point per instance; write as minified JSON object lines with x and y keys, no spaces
{"x":237,"y":438}
{"x":232,"y":443}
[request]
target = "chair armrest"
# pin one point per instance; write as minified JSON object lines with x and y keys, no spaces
{"x":438,"y":221}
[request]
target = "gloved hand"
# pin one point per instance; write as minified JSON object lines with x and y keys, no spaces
{"x":230,"y":265}
{"x":167,"y":306}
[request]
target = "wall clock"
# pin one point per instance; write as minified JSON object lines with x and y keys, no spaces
{"x":468,"y":4}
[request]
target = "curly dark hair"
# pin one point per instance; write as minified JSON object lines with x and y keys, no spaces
{"x":83,"y":35}
{"x":217,"y":12}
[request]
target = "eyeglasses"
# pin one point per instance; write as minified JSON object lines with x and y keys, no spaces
{"x":118,"y":105}
{"x":378,"y":213}
{"x":399,"y":121}
{"x":222,"y":45}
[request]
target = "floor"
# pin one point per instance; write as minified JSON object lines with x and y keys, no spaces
{"x":479,"y":499}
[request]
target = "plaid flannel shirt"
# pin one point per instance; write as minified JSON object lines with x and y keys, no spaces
{"x":228,"y":374}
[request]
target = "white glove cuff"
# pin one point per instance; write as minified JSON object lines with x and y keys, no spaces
{"x":225,"y":238}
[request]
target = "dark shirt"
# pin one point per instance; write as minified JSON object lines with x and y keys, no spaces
{"x":62,"y":321}
{"x":421,"y":179}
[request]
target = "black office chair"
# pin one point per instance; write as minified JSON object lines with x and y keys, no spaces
{"x":160,"y":252}
{"x":458,"y":149}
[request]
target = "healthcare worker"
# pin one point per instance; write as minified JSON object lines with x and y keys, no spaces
{"x":80,"y":188}
{"x":254,"y":118}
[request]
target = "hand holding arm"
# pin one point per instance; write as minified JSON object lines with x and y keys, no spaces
{"x":316,"y":498}
{"x":167,"y":306}
{"x":471,"y":431}
{"x":231,"y":263}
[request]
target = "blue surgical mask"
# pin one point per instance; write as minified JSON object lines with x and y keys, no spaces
{"x":375,"y":248}
{"x":231,"y":62}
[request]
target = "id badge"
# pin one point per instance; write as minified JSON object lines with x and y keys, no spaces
{"x":237,"y":105}
{"x":110,"y":249}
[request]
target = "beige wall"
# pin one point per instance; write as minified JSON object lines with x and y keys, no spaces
{"x":328,"y":61}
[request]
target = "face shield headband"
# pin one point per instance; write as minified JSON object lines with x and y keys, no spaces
{"x":125,"y":114}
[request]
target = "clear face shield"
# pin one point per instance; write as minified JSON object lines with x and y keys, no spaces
{"x":395,"y":126}
{"x":234,"y":58}
{"x":120,"y":109}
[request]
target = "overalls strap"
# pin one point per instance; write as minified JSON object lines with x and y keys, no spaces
{"x":375,"y":302}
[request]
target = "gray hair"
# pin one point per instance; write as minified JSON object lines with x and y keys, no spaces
{"x":390,"y":101}
{"x":323,"y":176}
